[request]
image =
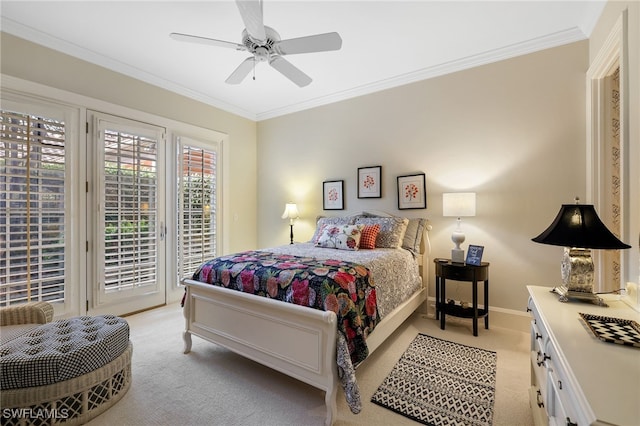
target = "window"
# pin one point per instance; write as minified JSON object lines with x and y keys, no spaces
{"x":197,"y":193}
{"x":128,"y":214}
{"x":83,"y":211}
{"x":130,"y":178}
{"x":33,"y":232}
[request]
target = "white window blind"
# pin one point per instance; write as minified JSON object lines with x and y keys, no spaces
{"x":197,"y":206}
{"x":130,"y":210}
{"x":32,"y":208}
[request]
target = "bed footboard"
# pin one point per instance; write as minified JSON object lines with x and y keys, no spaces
{"x":295,"y":340}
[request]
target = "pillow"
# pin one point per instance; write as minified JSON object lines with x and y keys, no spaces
{"x":413,"y":235}
{"x":334,"y":220}
{"x":342,"y":237}
{"x":392,"y":230}
{"x":369,"y":235}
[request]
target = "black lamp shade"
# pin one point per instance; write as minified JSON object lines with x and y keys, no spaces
{"x":578,"y":225}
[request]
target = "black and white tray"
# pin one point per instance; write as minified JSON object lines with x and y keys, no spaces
{"x":613,"y":330}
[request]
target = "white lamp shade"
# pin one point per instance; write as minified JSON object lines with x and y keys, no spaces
{"x":459,"y":204}
{"x":290,"y":211}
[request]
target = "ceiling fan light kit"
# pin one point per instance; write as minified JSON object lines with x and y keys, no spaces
{"x":265,"y":45}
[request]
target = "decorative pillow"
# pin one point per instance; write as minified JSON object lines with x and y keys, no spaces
{"x":369,"y":235}
{"x":392,"y":230}
{"x":334,"y":220}
{"x":413,"y":235}
{"x":343,"y":237}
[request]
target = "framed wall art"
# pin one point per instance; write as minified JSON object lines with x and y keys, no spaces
{"x":333,"y":195}
{"x":370,"y":182}
{"x":411,"y":192}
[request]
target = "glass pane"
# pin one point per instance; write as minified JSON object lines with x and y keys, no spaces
{"x":130,"y":199}
{"x":32,"y":208}
{"x":197,"y":191}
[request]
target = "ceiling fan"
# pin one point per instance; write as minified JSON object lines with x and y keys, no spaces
{"x":265,"y":45}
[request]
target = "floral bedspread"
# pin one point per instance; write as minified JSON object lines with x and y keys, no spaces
{"x":345,"y":288}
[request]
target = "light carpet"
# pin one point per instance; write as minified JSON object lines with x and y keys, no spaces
{"x":441,"y":383}
{"x":212,"y":386}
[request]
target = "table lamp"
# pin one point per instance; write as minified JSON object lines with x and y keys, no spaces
{"x":458,"y":205}
{"x":578,"y":228}
{"x":291,"y":213}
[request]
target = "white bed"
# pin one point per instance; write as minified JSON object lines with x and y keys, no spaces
{"x":295,"y":340}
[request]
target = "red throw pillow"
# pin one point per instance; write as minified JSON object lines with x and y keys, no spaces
{"x":369,"y":235}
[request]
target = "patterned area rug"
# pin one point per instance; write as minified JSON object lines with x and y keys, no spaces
{"x":441,"y":383}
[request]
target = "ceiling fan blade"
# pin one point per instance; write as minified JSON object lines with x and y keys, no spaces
{"x":315,"y":43}
{"x":290,"y":71}
{"x":251,"y":12}
{"x":242,"y":71}
{"x":208,"y":41}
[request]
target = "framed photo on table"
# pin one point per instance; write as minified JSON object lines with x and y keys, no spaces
{"x":411,"y":192}
{"x":474,"y":255}
{"x":333,"y":195}
{"x":370,"y":182}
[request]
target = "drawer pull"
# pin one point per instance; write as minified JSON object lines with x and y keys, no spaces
{"x":560,"y":384}
{"x":538,"y":401}
{"x":538,"y":336}
{"x":528,"y":309}
{"x":570,"y":423}
{"x":544,"y":358}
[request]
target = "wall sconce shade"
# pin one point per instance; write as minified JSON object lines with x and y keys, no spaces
{"x":291,"y":213}
{"x":458,"y":205}
{"x":578,"y":228}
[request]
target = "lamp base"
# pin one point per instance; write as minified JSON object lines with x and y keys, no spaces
{"x":566,"y":295}
{"x":457,"y":255}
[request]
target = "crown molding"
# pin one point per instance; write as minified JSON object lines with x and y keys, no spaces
{"x":552,"y":40}
{"x":530,"y":46}
{"x":11,"y":27}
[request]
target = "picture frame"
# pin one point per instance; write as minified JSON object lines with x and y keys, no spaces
{"x":370,"y":182}
{"x":474,"y":255}
{"x":333,"y":195}
{"x":411,"y":192}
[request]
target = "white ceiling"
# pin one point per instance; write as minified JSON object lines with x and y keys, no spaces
{"x":385,"y":43}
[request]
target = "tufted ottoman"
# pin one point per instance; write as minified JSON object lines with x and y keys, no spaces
{"x":65,"y":372}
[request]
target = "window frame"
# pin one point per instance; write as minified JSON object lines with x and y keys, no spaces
{"x":74,"y":229}
{"x":209,"y":146}
{"x":80,"y":104}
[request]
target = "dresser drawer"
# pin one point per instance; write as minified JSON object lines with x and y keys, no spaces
{"x":540,"y":416}
{"x":560,"y":408}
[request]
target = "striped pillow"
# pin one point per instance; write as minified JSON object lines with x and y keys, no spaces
{"x":369,"y":235}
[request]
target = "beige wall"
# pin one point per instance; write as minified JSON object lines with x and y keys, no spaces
{"x":35,"y":63}
{"x":512,"y":131}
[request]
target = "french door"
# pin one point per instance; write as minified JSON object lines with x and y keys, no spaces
{"x":126,"y":193}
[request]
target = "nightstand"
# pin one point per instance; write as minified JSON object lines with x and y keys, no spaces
{"x":447,"y":270}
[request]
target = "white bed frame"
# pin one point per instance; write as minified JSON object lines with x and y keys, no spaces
{"x":295,"y":340}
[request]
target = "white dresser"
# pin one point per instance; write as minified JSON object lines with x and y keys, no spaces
{"x":577,"y":379}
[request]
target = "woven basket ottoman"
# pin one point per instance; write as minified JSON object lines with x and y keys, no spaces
{"x":65,"y":372}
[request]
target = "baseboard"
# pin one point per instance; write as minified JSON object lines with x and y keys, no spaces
{"x":498,"y":317}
